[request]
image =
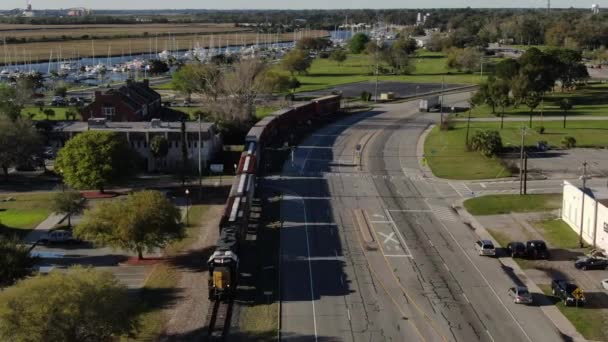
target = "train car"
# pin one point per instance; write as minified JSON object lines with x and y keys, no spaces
{"x":224,"y":265}
{"x":247,"y":164}
{"x":327,"y":105}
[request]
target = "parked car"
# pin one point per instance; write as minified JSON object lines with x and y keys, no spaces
{"x":568,"y":292}
{"x":58,"y":101}
{"x":591,"y":263}
{"x":58,"y":236}
{"x":485,"y":247}
{"x":520,"y":295}
{"x":516,"y":249}
{"x":537,"y":249}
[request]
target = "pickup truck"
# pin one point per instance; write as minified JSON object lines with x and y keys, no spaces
{"x":58,"y":236}
{"x":568,"y":292}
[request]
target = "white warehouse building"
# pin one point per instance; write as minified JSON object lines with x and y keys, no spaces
{"x":587,"y":209}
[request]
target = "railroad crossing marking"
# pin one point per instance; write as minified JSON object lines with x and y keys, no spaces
{"x":390,"y":237}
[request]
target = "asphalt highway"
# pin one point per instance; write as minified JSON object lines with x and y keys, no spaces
{"x":424,"y":281}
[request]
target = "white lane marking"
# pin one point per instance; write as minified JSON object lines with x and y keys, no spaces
{"x":410,"y":210}
{"x":398,"y":256}
{"x":431,"y":242}
{"x":446,"y":267}
{"x":485,"y":280}
{"x":380,"y":222}
{"x":348,"y":312}
{"x":395,"y":229}
{"x":453,"y":187}
{"x":491,"y":338}
{"x":483,"y":185}
{"x":467,"y":298}
{"x":389,"y":237}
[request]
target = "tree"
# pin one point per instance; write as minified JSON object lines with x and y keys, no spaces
{"x":143,"y":221}
{"x":499,"y":91}
{"x":487,"y":142}
{"x":9,"y":106}
{"x":507,"y":69}
{"x":294,"y":84}
{"x":565,"y":104}
{"x":49,"y":113}
{"x":159,"y":147}
{"x":338,"y":55}
{"x":157,"y":66}
{"x":296,"y":61}
{"x":313,"y":43}
{"x":20,"y":143}
{"x":71,"y":113}
{"x":467,"y":59}
{"x":398,"y":55}
{"x":82,"y":305}
{"x":68,"y":203}
{"x":242,"y":83}
{"x":276,"y":82}
{"x":16,"y":261}
{"x":95,"y":159}
{"x":203,"y":79}
{"x":357,"y":43}
{"x":61,"y":91}
{"x":532,"y":100}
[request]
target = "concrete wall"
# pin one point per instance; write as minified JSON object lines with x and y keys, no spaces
{"x":578,"y":209}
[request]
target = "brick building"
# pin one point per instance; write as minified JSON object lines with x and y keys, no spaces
{"x":134,"y":101}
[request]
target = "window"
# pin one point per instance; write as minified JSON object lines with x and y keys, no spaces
{"x":109,"y":112}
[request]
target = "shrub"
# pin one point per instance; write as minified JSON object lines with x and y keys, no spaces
{"x":540,"y":129}
{"x":366,"y":96}
{"x":569,"y":142}
{"x":487,"y":142}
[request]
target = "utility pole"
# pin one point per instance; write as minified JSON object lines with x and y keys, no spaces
{"x":525,"y":173}
{"x":200,"y":159}
{"x":521,"y":161}
{"x":441,"y":98}
{"x":468,"y":126}
{"x":584,"y":178}
{"x":378,"y":44}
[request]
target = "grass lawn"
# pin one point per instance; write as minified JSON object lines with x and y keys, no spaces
{"x":25,"y":213}
{"x":428,"y":68}
{"x":162,"y":281}
{"x":558,"y":233}
{"x":505,"y":204}
{"x":38,"y":115}
{"x":447,"y":157}
{"x":590,"y":322}
{"x":589,"y":100}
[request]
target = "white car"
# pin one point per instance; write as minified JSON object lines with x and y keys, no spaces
{"x":520,"y":295}
{"x":485,"y":248}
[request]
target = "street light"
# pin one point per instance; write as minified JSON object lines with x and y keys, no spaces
{"x":187,"y":206}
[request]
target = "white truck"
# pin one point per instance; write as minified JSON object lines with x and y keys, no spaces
{"x":429,"y":103}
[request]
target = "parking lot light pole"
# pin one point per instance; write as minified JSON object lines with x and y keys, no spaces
{"x":187,"y":207}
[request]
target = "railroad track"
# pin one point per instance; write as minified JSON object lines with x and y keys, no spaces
{"x":218,"y":320}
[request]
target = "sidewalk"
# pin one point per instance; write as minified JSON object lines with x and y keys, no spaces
{"x":551,"y":311}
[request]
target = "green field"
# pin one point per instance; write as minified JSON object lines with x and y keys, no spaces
{"x":38,"y":115}
{"x":428,"y":68}
{"x":24,"y":213}
{"x":505,"y":204}
{"x":589,"y":100}
{"x":447,"y":156}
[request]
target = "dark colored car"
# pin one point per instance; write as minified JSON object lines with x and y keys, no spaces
{"x":568,"y":292}
{"x":537,"y":249}
{"x":516,"y":249}
{"x":590,"y":263}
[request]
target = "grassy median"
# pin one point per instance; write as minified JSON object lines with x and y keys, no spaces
{"x":20,"y":213}
{"x":448,"y":157}
{"x":506,"y":204}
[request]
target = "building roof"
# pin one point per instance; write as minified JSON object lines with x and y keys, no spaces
{"x":141,"y":126}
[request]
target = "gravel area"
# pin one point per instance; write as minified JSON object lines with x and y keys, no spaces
{"x":186,"y":316}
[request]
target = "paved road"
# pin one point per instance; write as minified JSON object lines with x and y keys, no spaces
{"x":424,"y":283}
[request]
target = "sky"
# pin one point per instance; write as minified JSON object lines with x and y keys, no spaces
{"x":286,"y":4}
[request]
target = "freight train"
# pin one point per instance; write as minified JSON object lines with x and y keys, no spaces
{"x":277,"y":127}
